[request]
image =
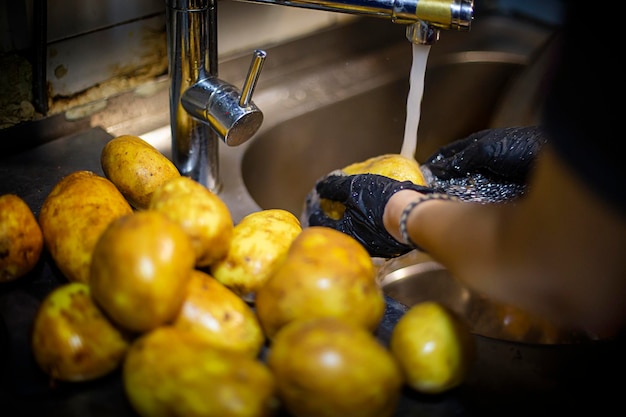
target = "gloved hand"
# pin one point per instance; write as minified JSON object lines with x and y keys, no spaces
{"x":502,"y":154}
{"x":364,"y":197}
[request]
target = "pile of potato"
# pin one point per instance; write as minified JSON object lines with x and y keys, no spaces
{"x":208,"y":318}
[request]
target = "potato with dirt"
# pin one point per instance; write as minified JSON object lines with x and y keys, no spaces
{"x":72,"y":339}
{"x":140,"y":270}
{"x":73,"y":216}
{"x":219,"y":316}
{"x":325,"y":273}
{"x":170,"y":372}
{"x":201,"y":213}
{"x":136,"y":168}
{"x":21,"y":239}
{"x":328,"y":367}
{"x":260,"y":242}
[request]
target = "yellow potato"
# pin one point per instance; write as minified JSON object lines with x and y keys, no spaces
{"x":200,"y":212}
{"x":168,"y":372}
{"x":136,"y":168}
{"x":393,"y":166}
{"x":219,"y":316}
{"x":327,"y":367}
{"x":260,"y":242}
{"x":433,"y":346}
{"x":140,"y":269}
{"x":72,"y":339}
{"x":21,"y":240}
{"x":325,"y":273}
{"x":74,"y":215}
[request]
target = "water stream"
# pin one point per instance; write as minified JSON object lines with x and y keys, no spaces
{"x":414,"y":100}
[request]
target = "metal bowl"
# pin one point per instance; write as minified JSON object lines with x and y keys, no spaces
{"x":416,"y":277}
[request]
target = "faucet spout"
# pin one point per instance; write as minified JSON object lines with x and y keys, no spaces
{"x":436,"y":14}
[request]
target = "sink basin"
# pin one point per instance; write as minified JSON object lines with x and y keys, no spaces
{"x":360,"y":116}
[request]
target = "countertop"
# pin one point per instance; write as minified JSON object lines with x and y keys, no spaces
{"x":507,"y":378}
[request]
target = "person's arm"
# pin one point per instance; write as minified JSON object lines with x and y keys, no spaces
{"x":559,"y":251}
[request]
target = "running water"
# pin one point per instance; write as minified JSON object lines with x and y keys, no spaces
{"x":469,"y":188}
{"x":414,"y":100}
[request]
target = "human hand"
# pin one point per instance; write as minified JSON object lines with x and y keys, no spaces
{"x":501,"y":154}
{"x":364,"y":197}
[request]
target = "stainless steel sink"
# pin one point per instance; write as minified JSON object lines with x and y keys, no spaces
{"x":355,"y":108}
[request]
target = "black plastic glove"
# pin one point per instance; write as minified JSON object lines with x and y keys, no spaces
{"x":364,"y":197}
{"x":503,"y":154}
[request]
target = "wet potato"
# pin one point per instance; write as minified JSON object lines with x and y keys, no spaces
{"x":393,"y":166}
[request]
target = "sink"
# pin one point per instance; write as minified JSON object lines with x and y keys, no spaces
{"x":357,"y":109}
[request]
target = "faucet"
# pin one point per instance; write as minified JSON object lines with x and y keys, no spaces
{"x":205,"y":109}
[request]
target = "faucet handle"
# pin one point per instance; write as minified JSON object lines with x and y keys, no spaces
{"x":231,"y":113}
{"x":258,"y":58}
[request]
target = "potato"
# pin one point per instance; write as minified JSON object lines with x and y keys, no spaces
{"x":140,"y":270}
{"x":393,"y":166}
{"x":327,"y":367}
{"x":168,"y":372}
{"x":21,"y":239}
{"x":72,"y":339}
{"x":433,"y":346}
{"x":136,"y":168}
{"x":74,"y":214}
{"x":200,"y":212}
{"x":260,"y":242}
{"x":325,"y":273}
{"x":219,"y":316}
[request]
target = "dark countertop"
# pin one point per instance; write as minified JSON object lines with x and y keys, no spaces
{"x":507,"y":378}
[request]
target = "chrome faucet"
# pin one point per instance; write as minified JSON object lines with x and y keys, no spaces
{"x":205,"y":109}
